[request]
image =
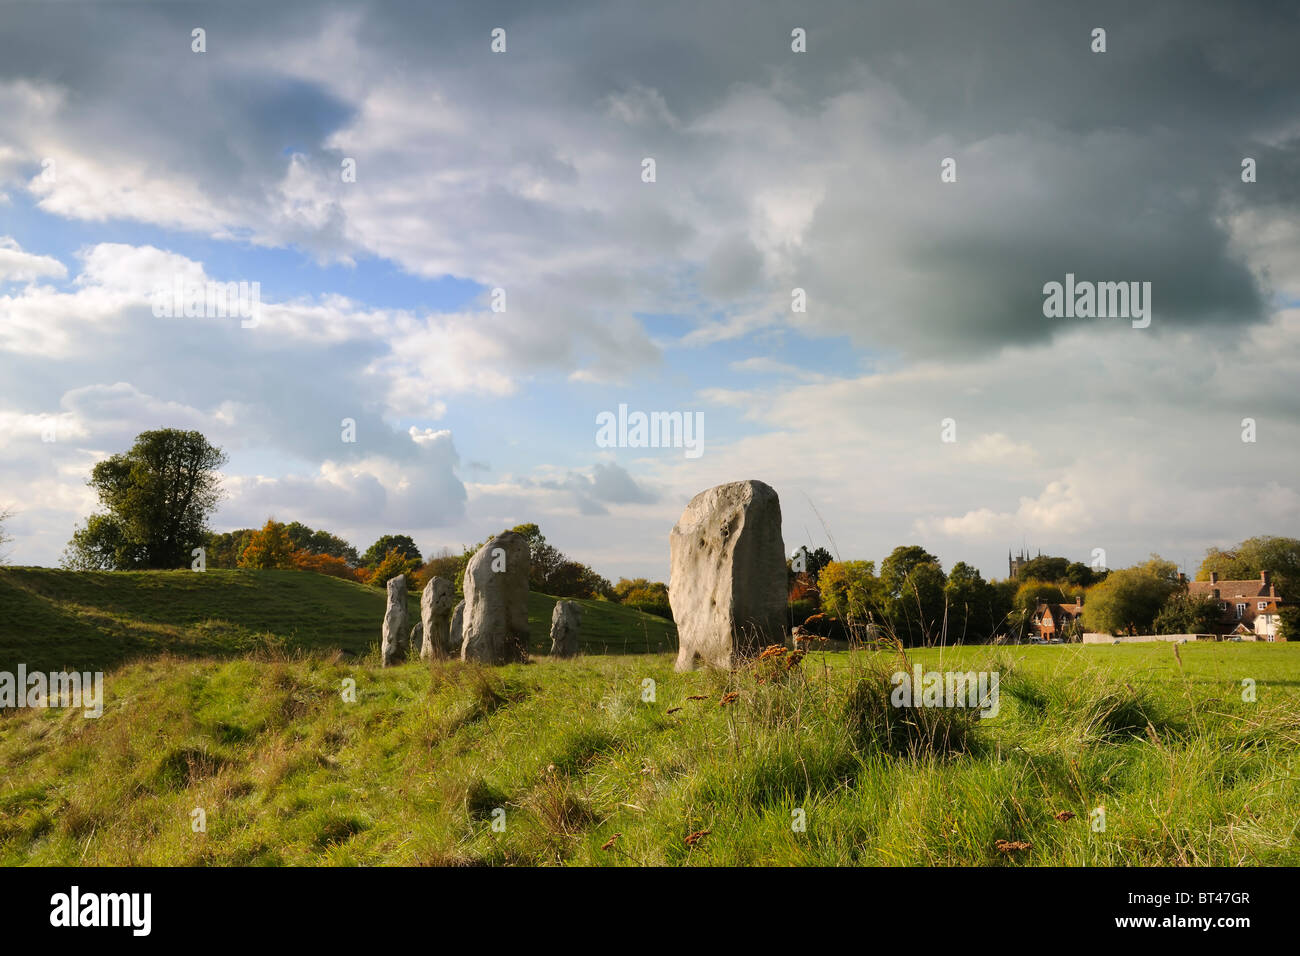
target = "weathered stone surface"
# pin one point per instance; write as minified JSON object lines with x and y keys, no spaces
{"x":436,"y":602}
{"x":396,"y":623}
{"x":727,"y":585}
{"x":456,"y":637}
{"x":417,"y":638}
{"x":566,"y":621}
{"x":496,"y":602}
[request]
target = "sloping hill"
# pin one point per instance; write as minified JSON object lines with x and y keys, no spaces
{"x":53,"y":619}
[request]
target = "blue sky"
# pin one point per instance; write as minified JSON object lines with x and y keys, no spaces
{"x":776,"y":170}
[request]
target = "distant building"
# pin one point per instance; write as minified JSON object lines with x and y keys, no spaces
{"x":1019,"y":561}
{"x":1244,"y":606}
{"x":1051,"y":620}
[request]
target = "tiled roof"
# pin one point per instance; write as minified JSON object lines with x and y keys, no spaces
{"x":1228,"y":590}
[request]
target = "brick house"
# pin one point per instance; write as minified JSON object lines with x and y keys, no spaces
{"x":1050,"y":620}
{"x":1251,"y":606}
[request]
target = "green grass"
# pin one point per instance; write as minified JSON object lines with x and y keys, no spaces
{"x":287,"y":772}
{"x":52,"y":619}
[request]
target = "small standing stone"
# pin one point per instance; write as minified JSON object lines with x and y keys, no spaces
{"x":457,"y":629}
{"x":396,"y":623}
{"x":566,"y":621}
{"x":435,"y":614}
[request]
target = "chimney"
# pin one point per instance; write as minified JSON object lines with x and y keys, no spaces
{"x":1264,"y":578}
{"x":1214,"y":577}
{"x":1182,"y":578}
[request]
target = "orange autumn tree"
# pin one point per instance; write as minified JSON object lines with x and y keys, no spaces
{"x":396,"y":563}
{"x":305,"y":560}
{"x":268,"y":548}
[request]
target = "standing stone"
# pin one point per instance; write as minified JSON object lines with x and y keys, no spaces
{"x":417,"y":637}
{"x":457,"y":630}
{"x":435,"y":614}
{"x":565,"y":622}
{"x":727,"y":585}
{"x":496,"y":602}
{"x":396,"y":622}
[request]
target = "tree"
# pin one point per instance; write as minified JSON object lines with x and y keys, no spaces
{"x":224,"y":548}
{"x":158,"y":496}
{"x":543,"y":560}
{"x":1185,"y":614}
{"x":851,"y":592}
{"x":918,"y":612}
{"x":1279,"y":555}
{"x":327,"y":564}
{"x":1129,"y":599}
{"x":1044,"y":568}
{"x":900,"y":563}
{"x":102,"y":545}
{"x":268,"y":548}
{"x":396,"y":562}
{"x":321,"y":542}
{"x":1079,"y":575}
{"x":644,"y":595}
{"x":972,"y":605}
{"x":378,"y":551}
{"x":574,"y":580}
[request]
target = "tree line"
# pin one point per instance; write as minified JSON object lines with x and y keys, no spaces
{"x":912,"y":599}
{"x":157,"y":496}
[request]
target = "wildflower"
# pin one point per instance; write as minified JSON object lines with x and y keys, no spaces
{"x":609,"y":844}
{"x":729,"y":699}
{"x":1004,"y":846}
{"x":1065,"y":815}
{"x":696,"y":837}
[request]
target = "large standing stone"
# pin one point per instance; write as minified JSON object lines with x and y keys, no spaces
{"x":566,"y":619}
{"x":396,"y":622}
{"x":417,"y":637}
{"x":728,"y":578}
{"x":496,"y":602}
{"x":457,"y":630}
{"x":435,"y":614}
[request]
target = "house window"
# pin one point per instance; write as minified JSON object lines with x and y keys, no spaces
{"x":1263,"y":605}
{"x":1241,"y":610}
{"x":1223,"y":605}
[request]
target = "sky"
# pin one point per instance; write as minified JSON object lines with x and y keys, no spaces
{"x":921,"y":396}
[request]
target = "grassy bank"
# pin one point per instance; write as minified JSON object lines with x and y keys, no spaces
{"x":570,"y":756}
{"x":53,"y":619}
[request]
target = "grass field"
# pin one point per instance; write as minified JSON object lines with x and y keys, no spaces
{"x":95,"y":621}
{"x":224,"y":694}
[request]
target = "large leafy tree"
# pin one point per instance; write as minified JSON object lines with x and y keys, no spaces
{"x":1130,"y":598}
{"x":402,"y":543}
{"x":1264,"y":553}
{"x":1184,"y":613}
{"x":270,"y":547}
{"x":850,"y":591}
{"x":973,"y":606}
{"x":157,"y":498}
